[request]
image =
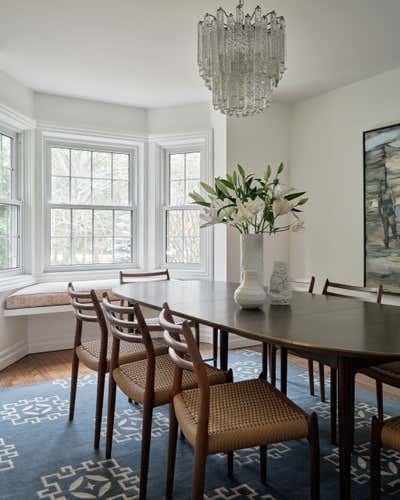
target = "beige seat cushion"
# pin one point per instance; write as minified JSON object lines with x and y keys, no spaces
{"x":242,"y":415}
{"x":89,"y":352}
{"x":131,"y":378}
{"x":391,"y":433}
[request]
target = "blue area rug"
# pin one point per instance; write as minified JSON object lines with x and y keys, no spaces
{"x":43,"y":456}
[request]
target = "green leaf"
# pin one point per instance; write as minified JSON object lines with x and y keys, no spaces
{"x":293,"y":196}
{"x":303,"y":201}
{"x":241,"y":172}
{"x":197,"y":197}
{"x":208,"y":188}
{"x":227,"y":183}
{"x":296,"y":210}
{"x":280,"y":168}
{"x":234,"y":177}
{"x":267,"y":174}
{"x":220,"y":185}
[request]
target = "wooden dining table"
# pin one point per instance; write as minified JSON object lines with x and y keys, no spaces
{"x":346,"y":334}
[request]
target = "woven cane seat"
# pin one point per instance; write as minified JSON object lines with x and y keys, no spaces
{"x":89,"y":352}
{"x":390,"y":435}
{"x":131,"y":378}
{"x":387,"y":373}
{"x":242,"y":415}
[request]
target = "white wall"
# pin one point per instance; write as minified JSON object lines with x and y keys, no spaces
{"x":254,"y":143}
{"x":326,"y":159}
{"x":170,"y":120}
{"x":16,"y":96}
{"x":86,"y":114}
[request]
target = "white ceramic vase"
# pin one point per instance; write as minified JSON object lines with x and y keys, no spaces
{"x":251,"y":293}
{"x":279,"y":290}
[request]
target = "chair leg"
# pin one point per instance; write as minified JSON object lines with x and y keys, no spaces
{"x":353,"y":402}
{"x":101,"y":375}
{"x":230,"y":457}
{"x":375,"y":459}
{"x":197,"y":333}
{"x":272,"y":364}
{"x":199,"y":473}
{"x":110,"y":415}
{"x":215,"y":347}
{"x":264,"y":367}
{"x":263,"y":464}
{"x":333,"y":402}
{"x":311,"y":376}
{"x":146,"y":441}
{"x":379,"y":399}
{"x":74,"y":381}
{"x":313,"y":439}
{"x":173,"y":436}
{"x":322,"y":382}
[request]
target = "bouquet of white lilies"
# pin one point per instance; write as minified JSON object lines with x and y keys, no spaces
{"x":253,"y":205}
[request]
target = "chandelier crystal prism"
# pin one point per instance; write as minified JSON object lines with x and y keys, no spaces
{"x":242,"y":59}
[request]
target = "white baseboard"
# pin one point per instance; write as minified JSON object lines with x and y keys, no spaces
{"x":13,"y":354}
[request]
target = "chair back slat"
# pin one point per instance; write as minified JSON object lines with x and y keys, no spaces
{"x":125,"y":277}
{"x":312,"y":284}
{"x":367,"y":294}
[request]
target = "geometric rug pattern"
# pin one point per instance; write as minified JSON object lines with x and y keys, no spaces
{"x":44,"y":456}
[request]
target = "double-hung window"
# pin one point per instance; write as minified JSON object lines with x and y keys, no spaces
{"x":91,"y":209}
{"x":182,"y":243}
{"x":10,"y":206}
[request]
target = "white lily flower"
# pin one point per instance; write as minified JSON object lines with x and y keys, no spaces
{"x":243,"y":211}
{"x":298,"y":226}
{"x":282,"y":207}
{"x":255,"y":206}
{"x":209,"y":217}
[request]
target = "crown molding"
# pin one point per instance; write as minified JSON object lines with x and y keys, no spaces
{"x":15,"y":120}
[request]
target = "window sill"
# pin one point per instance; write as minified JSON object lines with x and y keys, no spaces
{"x":11,"y":283}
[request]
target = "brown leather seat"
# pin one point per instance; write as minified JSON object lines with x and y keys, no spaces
{"x":131,"y":379}
{"x":89,"y":352}
{"x":242,"y":415}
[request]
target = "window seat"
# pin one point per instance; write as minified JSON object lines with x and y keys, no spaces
{"x":50,"y":297}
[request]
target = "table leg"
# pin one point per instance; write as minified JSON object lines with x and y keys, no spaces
{"x":284,"y":370}
{"x":265,"y":351}
{"x":223,"y":350}
{"x":346,"y":380}
{"x":215,"y":347}
{"x":272,"y":363}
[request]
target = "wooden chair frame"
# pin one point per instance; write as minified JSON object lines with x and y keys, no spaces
{"x":82,"y":304}
{"x":178,"y":350}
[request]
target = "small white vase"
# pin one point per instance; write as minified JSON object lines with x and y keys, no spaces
{"x":279,"y":290}
{"x":251,"y":293}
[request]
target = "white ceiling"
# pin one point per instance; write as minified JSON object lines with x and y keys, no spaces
{"x":143,"y":52}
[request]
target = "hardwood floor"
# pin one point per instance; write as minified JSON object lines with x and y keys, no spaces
{"x":49,"y":366}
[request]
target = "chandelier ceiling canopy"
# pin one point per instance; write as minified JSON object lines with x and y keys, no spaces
{"x":241,"y":59}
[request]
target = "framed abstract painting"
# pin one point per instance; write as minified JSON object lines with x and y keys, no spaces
{"x":382,"y":208}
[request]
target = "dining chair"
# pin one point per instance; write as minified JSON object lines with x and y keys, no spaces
{"x":152,"y":323}
{"x":269,"y":359}
{"x":383,"y":433}
{"x":365,"y":294}
{"x":230,"y":416}
{"x":149,"y":381}
{"x":96,"y":354}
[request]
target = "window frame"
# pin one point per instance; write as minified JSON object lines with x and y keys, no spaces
{"x":16,"y":197}
{"x":163,"y":146}
{"x":132,"y":207}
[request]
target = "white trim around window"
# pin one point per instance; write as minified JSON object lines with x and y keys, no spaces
{"x":161,"y":147}
{"x":136,"y":151}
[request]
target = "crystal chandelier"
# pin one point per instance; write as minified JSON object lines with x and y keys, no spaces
{"x":241,"y":60}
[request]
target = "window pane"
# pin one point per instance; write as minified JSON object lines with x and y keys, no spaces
{"x":103,"y":223}
{"x":82,"y":223}
{"x":121,"y":192}
{"x":82,"y":251}
{"x":60,"y":222}
{"x":103,"y":250}
{"x":81,"y":191}
{"x":177,"y":166}
{"x":6,"y":220}
{"x":193,"y":162}
{"x":101,"y":192}
{"x":122,"y":250}
{"x":190,"y":187}
{"x":174,"y":223}
{"x":60,"y":251}
{"x":191,"y":223}
{"x":8,"y":237}
{"x":81,"y":163}
{"x":175,"y":250}
{"x":122,"y":224}
{"x":177,"y":193}
{"x":5,"y":183}
{"x":192,"y":250}
{"x":60,"y":161}
{"x":102,"y":165}
{"x":60,"y":189}
{"x":8,"y":253}
{"x":6,"y":152}
{"x":121,"y":166}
